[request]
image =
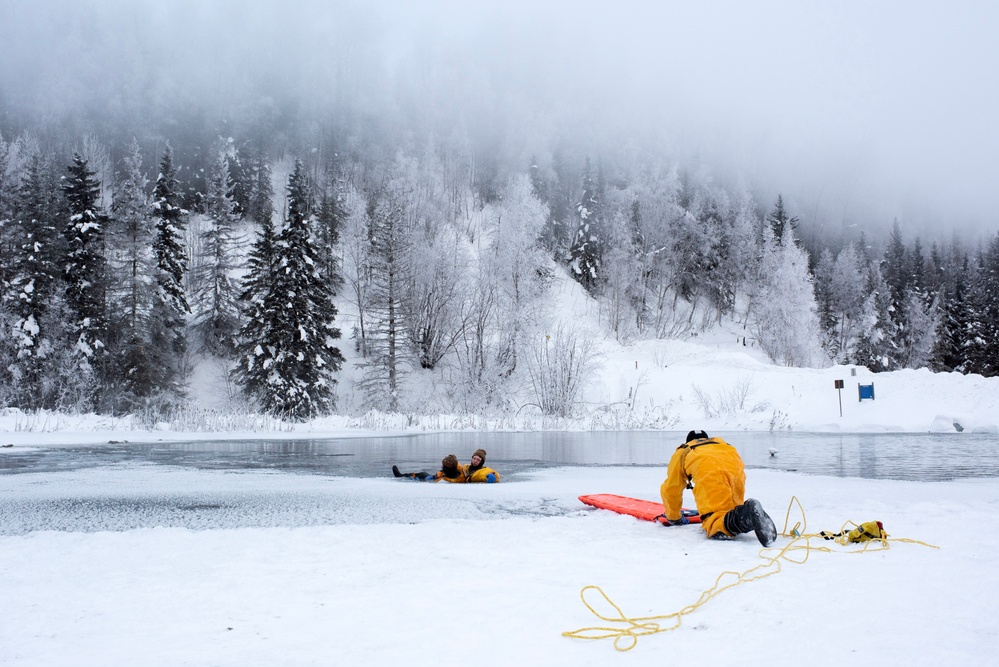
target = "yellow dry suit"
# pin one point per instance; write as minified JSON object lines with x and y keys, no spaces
{"x":714,"y":470}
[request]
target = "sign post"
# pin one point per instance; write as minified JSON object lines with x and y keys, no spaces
{"x":839,"y":390}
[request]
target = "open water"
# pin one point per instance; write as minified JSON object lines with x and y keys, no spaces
{"x":920,"y":456}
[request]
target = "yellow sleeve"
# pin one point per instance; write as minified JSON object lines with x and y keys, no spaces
{"x":673,"y":486}
{"x":482,"y":475}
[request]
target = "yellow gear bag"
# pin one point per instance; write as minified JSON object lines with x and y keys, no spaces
{"x":865,"y":532}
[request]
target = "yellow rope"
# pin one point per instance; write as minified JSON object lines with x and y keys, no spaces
{"x":626,"y":635}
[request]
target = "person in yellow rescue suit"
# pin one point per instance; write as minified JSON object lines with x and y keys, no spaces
{"x":714,"y":470}
{"x":477,"y":470}
{"x":451,"y":471}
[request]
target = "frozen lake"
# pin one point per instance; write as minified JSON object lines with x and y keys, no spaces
{"x":920,"y":456}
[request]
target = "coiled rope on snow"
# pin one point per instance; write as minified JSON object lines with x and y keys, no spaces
{"x":628,"y":629}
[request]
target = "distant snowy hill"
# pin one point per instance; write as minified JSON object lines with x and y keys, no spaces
{"x":718,"y":380}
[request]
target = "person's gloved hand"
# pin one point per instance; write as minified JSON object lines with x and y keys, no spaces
{"x":490,"y":478}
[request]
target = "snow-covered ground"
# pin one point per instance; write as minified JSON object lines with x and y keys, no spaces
{"x":442,"y":577}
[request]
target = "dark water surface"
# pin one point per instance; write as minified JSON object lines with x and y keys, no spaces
{"x":921,"y":456}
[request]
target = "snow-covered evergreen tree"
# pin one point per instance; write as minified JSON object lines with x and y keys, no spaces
{"x":258,"y":281}
{"x":290,"y":370}
{"x":241,"y":170}
{"x":921,"y":335}
{"x":170,"y":309}
{"x":696,"y":243}
{"x":780,"y":220}
{"x":982,"y":337}
{"x":217,"y":313}
{"x":913,"y":311}
{"x":877,"y":340}
{"x":40,"y":373}
{"x":7,"y":202}
{"x":140,"y":367}
{"x":823,"y":300}
{"x":587,"y":244}
{"x":721,"y":261}
{"x":260,"y":204}
{"x":895,"y":265}
{"x":954,"y":279}
{"x":257,"y":284}
{"x":171,"y":259}
{"x":921,"y":310}
{"x":330,"y":219}
{"x":85,"y":269}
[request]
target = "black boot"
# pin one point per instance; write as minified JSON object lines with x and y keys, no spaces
{"x":750,"y":516}
{"x":422,"y":475}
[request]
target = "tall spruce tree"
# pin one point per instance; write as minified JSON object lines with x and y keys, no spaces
{"x":779,"y":220}
{"x":170,"y":310}
{"x":257,"y":282}
{"x":955,"y":273}
{"x":290,"y":370}
{"x":982,"y":340}
{"x":329,"y":221}
{"x":586,"y":250}
{"x":896,"y":269}
{"x":7,"y":201}
{"x":877,"y":340}
{"x":260,"y":206}
{"x":217,"y":318}
{"x":250,"y":375}
{"x":34,"y":298}
{"x":920,"y":308}
{"x":85,"y":269}
{"x":140,"y":367}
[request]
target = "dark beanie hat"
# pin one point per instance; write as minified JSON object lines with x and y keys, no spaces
{"x":449,"y":462}
{"x":481,"y":453}
{"x":695,"y":435}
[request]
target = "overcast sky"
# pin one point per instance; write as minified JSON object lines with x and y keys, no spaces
{"x":856,"y":110}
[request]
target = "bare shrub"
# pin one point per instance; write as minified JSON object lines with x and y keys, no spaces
{"x":558,"y":368}
{"x":728,"y":401}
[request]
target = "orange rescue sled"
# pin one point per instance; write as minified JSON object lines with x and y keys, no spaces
{"x":641,"y":509}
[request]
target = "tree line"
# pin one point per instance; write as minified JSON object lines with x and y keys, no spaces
{"x":114,"y":281}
